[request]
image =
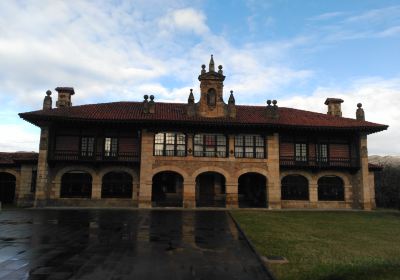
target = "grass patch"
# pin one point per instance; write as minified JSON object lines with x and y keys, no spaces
{"x":327,"y":245}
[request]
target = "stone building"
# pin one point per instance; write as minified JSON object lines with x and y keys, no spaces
{"x":208,"y":153}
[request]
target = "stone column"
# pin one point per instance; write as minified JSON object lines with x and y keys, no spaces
{"x":189,"y":194}
{"x":231,"y":146}
{"x":146,"y":162}
{"x":363,"y":176}
{"x":42,"y":181}
{"x":274,"y":182}
{"x":232,"y":199}
{"x":96,"y":187}
{"x":313,"y":187}
{"x":189,"y":147}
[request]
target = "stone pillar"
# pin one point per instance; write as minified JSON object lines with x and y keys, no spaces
{"x":313,"y":187}
{"x":189,"y":194}
{"x":42,"y":181}
{"x":23,"y":190}
{"x":363,"y":176}
{"x":231,"y":146}
{"x":96,"y":187}
{"x":232,"y":199}
{"x":146,"y":160}
{"x":189,"y":147}
{"x":274,"y":182}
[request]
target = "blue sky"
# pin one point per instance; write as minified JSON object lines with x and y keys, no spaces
{"x":298,"y":52}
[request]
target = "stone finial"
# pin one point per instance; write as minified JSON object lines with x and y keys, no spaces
{"x":203,"y":69}
{"x":360,"y":115}
{"x":272,"y":110}
{"x":146,"y":104}
{"x":191,"y":107}
{"x":334,"y":106}
{"x":220,"y":70}
{"x":47,"y":102}
{"x":152,"y":105}
{"x":191,"y":97}
{"x":231,"y":99}
{"x":231,"y":106}
{"x":211,"y":67}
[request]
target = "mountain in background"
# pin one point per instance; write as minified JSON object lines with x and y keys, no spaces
{"x":385,"y":160}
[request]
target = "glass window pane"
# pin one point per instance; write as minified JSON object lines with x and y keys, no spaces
{"x":248,"y":140}
{"x":180,"y":138}
{"x":239,"y":140}
{"x":259,"y":141}
{"x":159,"y":138}
{"x":198,"y":139}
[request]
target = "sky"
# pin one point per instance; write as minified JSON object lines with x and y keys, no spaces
{"x":298,"y":52}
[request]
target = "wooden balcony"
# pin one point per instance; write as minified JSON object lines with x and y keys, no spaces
{"x":319,"y":163}
{"x":76,"y":156}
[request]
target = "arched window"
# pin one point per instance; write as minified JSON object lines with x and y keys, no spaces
{"x":330,"y":188}
{"x":76,"y":184}
{"x":211,"y":97}
{"x":295,"y":187}
{"x":116,"y":185}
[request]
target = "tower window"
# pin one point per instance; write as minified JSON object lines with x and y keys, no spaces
{"x":211,"y":97}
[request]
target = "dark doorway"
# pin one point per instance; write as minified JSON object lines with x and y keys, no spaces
{"x":252,"y":190}
{"x":210,"y":190}
{"x":116,"y":185}
{"x":167,"y":189}
{"x":330,"y":188}
{"x":7,"y":188}
{"x":76,"y":184}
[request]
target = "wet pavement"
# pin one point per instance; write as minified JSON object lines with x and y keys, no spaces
{"x":124,"y":244}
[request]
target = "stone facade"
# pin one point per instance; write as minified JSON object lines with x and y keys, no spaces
{"x":357,"y":180}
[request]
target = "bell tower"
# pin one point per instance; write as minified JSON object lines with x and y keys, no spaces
{"x":211,"y":102}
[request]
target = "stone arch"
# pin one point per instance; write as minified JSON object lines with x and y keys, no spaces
{"x":341,"y":175}
{"x":228,"y":178}
{"x":57,"y":178}
{"x":310,"y":177}
{"x":8,"y":187}
{"x":261,"y":171}
{"x":172,"y":168}
{"x":130,"y":171}
{"x":252,"y":189}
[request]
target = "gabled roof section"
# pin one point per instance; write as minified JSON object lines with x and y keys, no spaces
{"x":132,"y":112}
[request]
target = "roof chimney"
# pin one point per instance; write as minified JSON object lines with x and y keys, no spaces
{"x":334,"y":106}
{"x":47,"y":102}
{"x":64,"y":96}
{"x":231,"y":106}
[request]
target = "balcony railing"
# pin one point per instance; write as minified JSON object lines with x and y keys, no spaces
{"x":337,"y":162}
{"x":62,"y":155}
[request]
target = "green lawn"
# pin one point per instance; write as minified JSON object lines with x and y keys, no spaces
{"x":327,"y":245}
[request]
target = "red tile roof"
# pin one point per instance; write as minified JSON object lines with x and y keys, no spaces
{"x":176,"y":112}
{"x":18,"y":157}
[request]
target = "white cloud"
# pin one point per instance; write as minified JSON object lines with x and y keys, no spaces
{"x":188,"y":20}
{"x":380,"y":99}
{"x":18,"y":138}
